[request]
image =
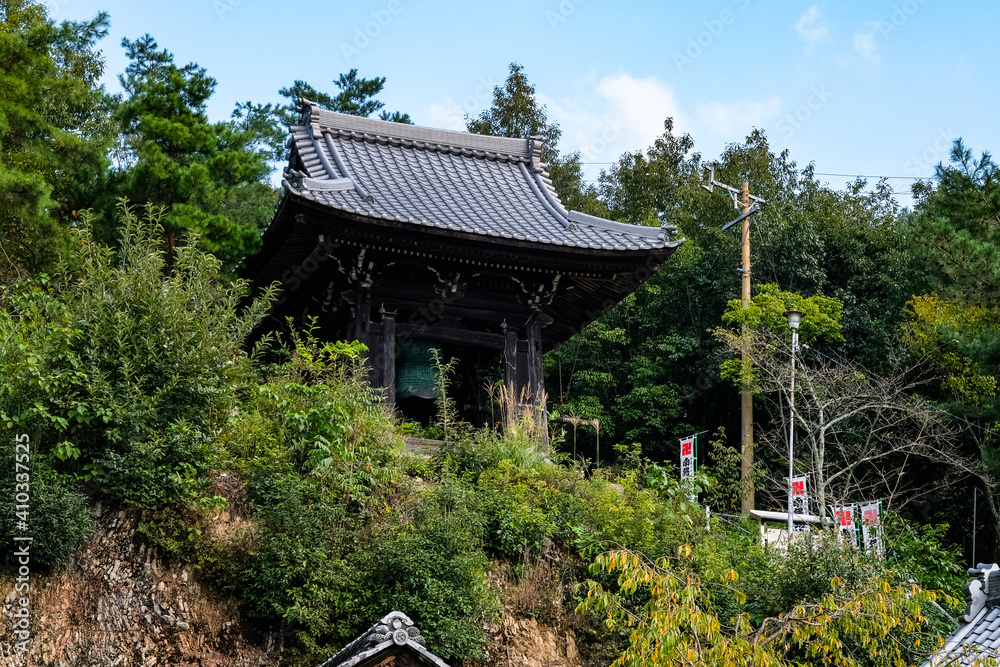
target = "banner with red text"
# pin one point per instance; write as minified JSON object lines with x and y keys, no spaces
{"x":800,"y":502}
{"x":689,"y":460}
{"x":847,"y":524}
{"x":689,"y":456}
{"x":871,"y":527}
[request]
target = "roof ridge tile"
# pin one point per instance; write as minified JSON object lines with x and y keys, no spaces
{"x":451,"y":138}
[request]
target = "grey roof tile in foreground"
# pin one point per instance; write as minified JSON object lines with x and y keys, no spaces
{"x":486,"y":186}
{"x":977,"y":640}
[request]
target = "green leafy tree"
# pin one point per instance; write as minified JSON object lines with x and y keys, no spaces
{"x":516,"y":113}
{"x":123,"y":369}
{"x":954,"y":315}
{"x":956,"y":237}
{"x":647,"y":186}
{"x":864,"y":622}
{"x":649,"y":368}
{"x":54,"y":132}
{"x":637,"y":368}
{"x":947,"y":333}
{"x":821,"y":315}
{"x":211,"y":178}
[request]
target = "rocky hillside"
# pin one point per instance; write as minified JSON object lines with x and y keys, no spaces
{"x":119,"y":603}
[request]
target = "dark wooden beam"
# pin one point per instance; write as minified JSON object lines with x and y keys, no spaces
{"x":450,"y":335}
{"x":420,"y":313}
{"x":535,"y":378}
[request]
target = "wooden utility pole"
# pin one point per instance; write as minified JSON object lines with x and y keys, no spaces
{"x":746,"y":398}
{"x":747,"y":205}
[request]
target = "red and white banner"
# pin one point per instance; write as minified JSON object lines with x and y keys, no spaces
{"x":847,"y":524}
{"x":689,"y":456}
{"x":689,"y":460}
{"x":800,"y":501}
{"x":871,"y":527}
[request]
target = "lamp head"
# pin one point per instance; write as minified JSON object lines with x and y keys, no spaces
{"x":794,"y":318}
{"x":710,"y":168}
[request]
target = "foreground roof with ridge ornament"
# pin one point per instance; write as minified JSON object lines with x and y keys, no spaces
{"x":392,"y":642}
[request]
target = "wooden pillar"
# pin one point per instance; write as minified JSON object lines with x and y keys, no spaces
{"x":536,"y":378}
{"x":535,"y":382}
{"x":746,"y":398}
{"x":510,"y":358}
{"x":389,"y":356}
{"x":362,"y":312}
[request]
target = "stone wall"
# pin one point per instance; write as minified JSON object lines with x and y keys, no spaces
{"x":118,"y":604}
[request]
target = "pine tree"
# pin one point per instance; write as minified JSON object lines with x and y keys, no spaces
{"x":356,"y":97}
{"x":209,"y":177}
{"x":54,"y":132}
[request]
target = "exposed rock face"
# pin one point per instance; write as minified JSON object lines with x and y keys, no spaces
{"x":526,"y":643}
{"x":538,"y":627}
{"x":118,"y":604}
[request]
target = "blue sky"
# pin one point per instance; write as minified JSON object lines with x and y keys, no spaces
{"x":858,"y":88}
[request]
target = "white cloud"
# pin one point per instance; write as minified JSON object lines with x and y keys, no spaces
{"x":447,"y":115}
{"x":624,"y":114}
{"x":732,"y":120}
{"x":864,"y":43}
{"x":812,"y":29}
{"x":640,"y":104}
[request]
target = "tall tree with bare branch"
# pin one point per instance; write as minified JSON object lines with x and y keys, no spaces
{"x":859,"y":435}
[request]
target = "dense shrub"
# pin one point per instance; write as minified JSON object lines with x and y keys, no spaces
{"x":124,"y":369}
{"x":58,"y":517}
{"x":329,"y":567}
{"x":433,"y":565}
{"x":317,"y":415}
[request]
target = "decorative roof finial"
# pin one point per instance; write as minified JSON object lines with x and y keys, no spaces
{"x":983,"y":591}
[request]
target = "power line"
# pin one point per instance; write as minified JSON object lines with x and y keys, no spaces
{"x":912,"y":178}
{"x":597,"y":180}
{"x":824,"y":173}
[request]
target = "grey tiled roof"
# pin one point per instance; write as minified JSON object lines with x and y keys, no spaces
{"x":978,"y":640}
{"x":489,"y":186}
{"x":975,"y":642}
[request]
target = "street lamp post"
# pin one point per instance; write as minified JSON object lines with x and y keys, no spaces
{"x":794,"y":319}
